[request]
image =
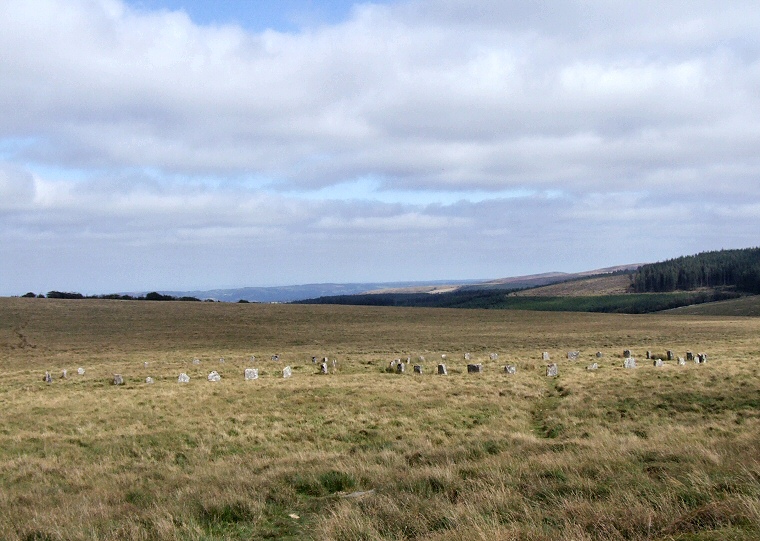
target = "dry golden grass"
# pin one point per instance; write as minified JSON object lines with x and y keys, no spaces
{"x":617,"y":284}
{"x":667,"y":453}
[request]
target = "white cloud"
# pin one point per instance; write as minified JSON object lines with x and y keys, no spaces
{"x":164,"y":131}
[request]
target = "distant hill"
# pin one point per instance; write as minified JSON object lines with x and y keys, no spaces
{"x":303,"y":291}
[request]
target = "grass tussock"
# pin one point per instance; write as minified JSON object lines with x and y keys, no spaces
{"x":668,"y":453}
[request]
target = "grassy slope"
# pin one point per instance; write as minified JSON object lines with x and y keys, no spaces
{"x":668,"y":453}
{"x":745,"y":306}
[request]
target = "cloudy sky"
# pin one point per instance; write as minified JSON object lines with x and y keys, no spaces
{"x":170,"y":144}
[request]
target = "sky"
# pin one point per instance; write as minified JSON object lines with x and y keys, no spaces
{"x":177,"y":145}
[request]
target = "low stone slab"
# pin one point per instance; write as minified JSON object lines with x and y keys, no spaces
{"x":250,"y":374}
{"x":593,"y":366}
{"x":599,"y":354}
{"x":80,"y":371}
{"x":658,"y":363}
{"x":493,"y":356}
{"x":630,"y":362}
{"x":214,"y":376}
{"x":474,"y":368}
{"x":681,"y":361}
{"x":149,"y":380}
{"x":510,"y":369}
{"x":552,"y":370}
{"x":545,"y":356}
{"x":196,"y":361}
{"x":183,"y":378}
{"x":573,"y":355}
{"x":118,"y":379}
{"x":466,"y":356}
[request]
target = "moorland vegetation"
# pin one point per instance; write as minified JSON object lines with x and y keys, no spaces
{"x":666,"y":453}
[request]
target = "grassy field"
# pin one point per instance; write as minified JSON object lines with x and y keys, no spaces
{"x":670,"y":453}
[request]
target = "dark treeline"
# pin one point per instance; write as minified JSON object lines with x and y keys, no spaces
{"x":736,"y":269}
{"x":152,"y":296}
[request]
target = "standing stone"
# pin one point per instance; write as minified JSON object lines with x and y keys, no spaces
{"x":287,"y":372}
{"x":47,"y":378}
{"x":221,"y":360}
{"x":510,"y":369}
{"x":392,"y":365}
{"x":689,"y":356}
{"x":253,"y":358}
{"x":313,"y":360}
{"x":418,"y":369}
{"x":649,"y":355}
{"x":629,"y":362}
{"x":214,"y":376}
{"x":474,"y":368}
{"x":573,"y":355}
{"x":627,"y":353}
{"x":658,"y":362}
{"x":466,"y":356}
{"x":443,"y":356}
{"x":493,"y":356}
{"x":599,"y":354}
{"x":592,"y":366}
{"x":149,"y":380}
{"x":545,"y":356}
{"x":80,"y":371}
{"x":681,"y":361}
{"x":196,"y":361}
{"x":276,"y":357}
{"x":421,"y":358}
{"x":183,"y":378}
{"x":251,"y":374}
{"x":400,"y":368}
{"x":335,"y":364}
{"x":442,"y":370}
{"x":118,"y":380}
{"x":64,"y":374}
{"x":670,"y":355}
{"x":552,"y":370}
{"x":702,"y":357}
{"x":323,"y":367}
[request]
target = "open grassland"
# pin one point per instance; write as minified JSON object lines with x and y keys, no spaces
{"x":744,"y":306}
{"x":669,"y":453}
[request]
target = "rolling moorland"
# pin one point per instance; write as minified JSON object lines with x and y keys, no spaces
{"x":653,"y":453}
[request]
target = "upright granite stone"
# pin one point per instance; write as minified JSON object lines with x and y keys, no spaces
{"x":64,"y":374}
{"x":196,"y":361}
{"x":474,"y":368}
{"x":253,"y":358}
{"x":493,"y":356}
{"x":573,"y":355}
{"x":400,"y":367}
{"x":145,"y":364}
{"x":629,"y":362}
{"x":118,"y":379}
{"x":599,"y":354}
{"x":287,"y":372}
{"x":418,"y":369}
{"x":421,"y":358}
{"x":626,"y":353}
{"x":545,"y":356}
{"x":658,"y":363}
{"x":466,"y":356}
{"x":214,"y":376}
{"x":670,"y":355}
{"x":442,"y":370}
{"x":649,"y":355}
{"x":149,"y":380}
{"x":592,"y":367}
{"x":323,"y":367}
{"x":183,"y":378}
{"x":702,"y":357}
{"x":689,"y":356}
{"x":276,"y":357}
{"x":510,"y":369}
{"x":250,"y":374}
{"x":80,"y":371}
{"x":681,"y":361}
{"x":552,"y":370}
{"x":221,"y":360}
{"x":47,"y":378}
